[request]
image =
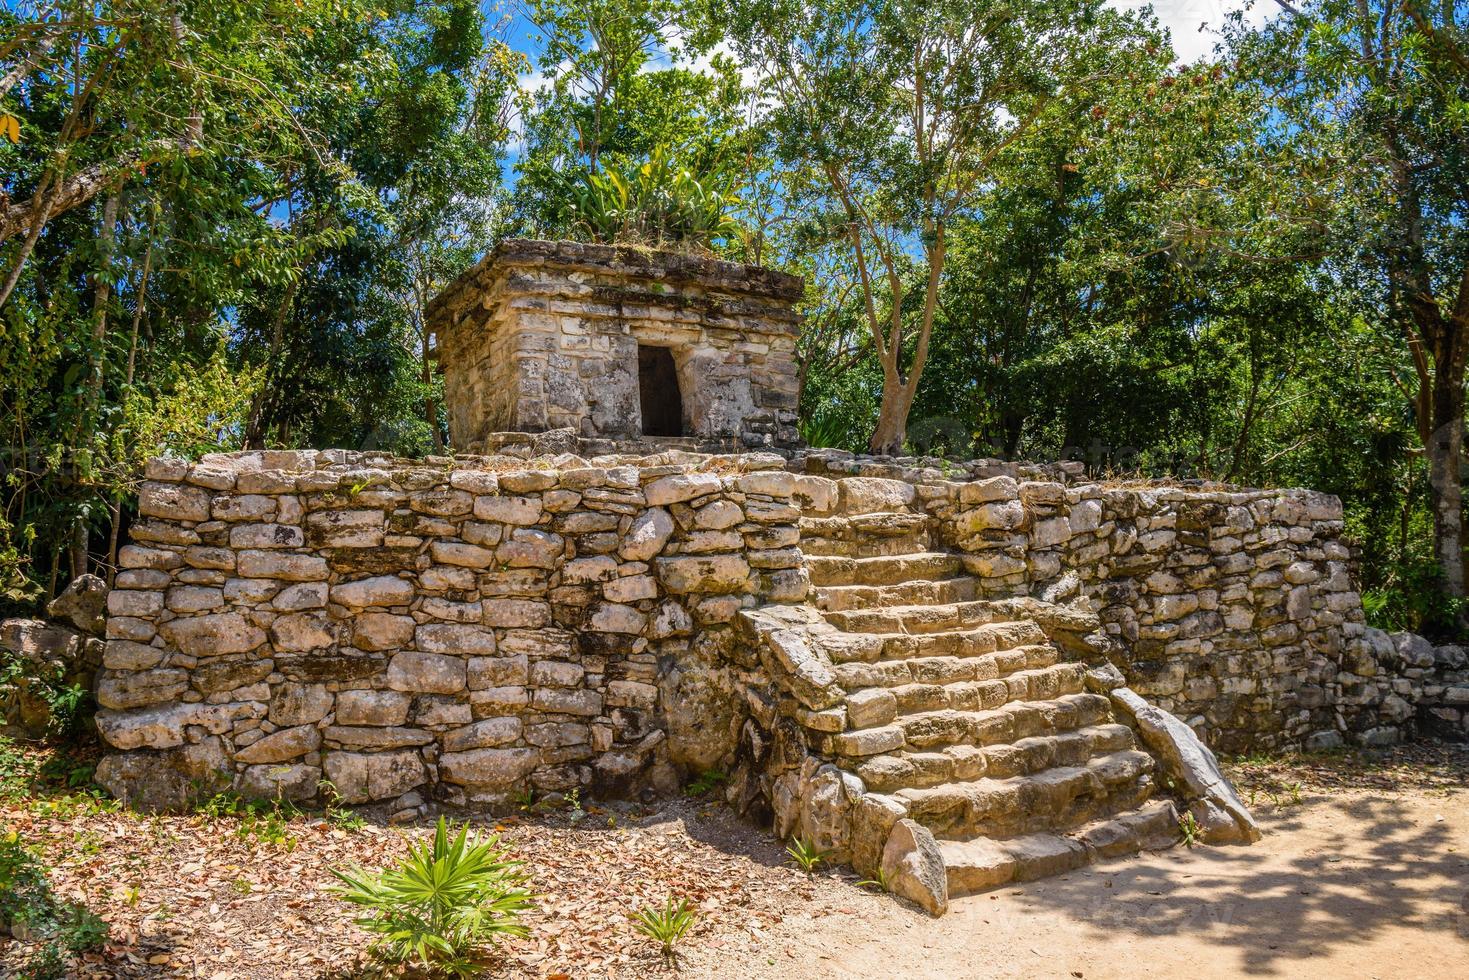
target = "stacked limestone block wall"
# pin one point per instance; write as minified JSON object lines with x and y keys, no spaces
{"x":1232,"y":609}
{"x":1410,"y":683}
{"x":451,"y":630}
{"x":545,"y":335}
{"x":460,"y":630}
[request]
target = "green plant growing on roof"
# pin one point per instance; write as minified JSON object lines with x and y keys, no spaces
{"x":654,"y":202}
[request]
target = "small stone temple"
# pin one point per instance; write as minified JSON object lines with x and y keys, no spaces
{"x":619,"y":343}
{"x":957,"y":674}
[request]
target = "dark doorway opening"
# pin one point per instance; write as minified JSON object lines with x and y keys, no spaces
{"x":658,"y":387}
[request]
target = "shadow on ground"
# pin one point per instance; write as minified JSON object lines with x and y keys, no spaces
{"x":1369,"y":866}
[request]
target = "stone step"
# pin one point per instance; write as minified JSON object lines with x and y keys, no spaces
{"x":981,"y":863}
{"x":914,"y":619}
{"x":931,"y":731}
{"x":979,"y":641}
{"x":1008,"y":723}
{"x":866,"y":535}
{"x":919,"y":592}
{"x":891,"y":772}
{"x":1056,"y":799}
{"x":883,"y":569}
{"x":941,"y":682}
{"x":854,"y":675}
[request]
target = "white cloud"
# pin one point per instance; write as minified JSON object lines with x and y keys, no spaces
{"x":1194,"y":24}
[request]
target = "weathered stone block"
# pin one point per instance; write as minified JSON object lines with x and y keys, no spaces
{"x":299,"y":704}
{"x":213,"y":635}
{"x":173,"y":501}
{"x":428,"y":673}
{"x":286,"y":744}
{"x":714,"y":574}
{"x":445,"y":638}
{"x":372,"y":707}
{"x":364,"y":777}
{"x":493,"y":767}
{"x":381,"y":590}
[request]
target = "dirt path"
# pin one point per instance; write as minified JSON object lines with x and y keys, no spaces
{"x":1350,"y":883}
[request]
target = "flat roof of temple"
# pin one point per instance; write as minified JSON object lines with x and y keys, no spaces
{"x":629,"y":261}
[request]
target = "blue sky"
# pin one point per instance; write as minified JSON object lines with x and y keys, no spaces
{"x":1183,"y":18}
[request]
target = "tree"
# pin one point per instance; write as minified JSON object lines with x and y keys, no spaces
{"x":281,"y":187}
{"x":1366,"y":110}
{"x":343,"y":339}
{"x":903,"y":109}
{"x":624,"y":84}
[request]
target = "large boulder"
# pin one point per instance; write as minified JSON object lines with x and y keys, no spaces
{"x":1189,"y":763}
{"x":826,"y":812}
{"x":83,"y":604}
{"x":361,"y":777}
{"x":1413,"y":650}
{"x":914,"y":867}
{"x":172,"y":779}
{"x":704,"y":710}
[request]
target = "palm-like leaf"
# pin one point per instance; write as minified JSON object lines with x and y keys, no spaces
{"x":441,"y":903}
{"x":653,"y":202}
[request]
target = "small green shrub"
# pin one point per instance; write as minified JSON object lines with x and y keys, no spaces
{"x":805,"y":856}
{"x":1411,"y":596}
{"x":655,"y":202}
{"x":29,"y":909}
{"x":16,"y":770}
{"x":574,"y":811}
{"x":1189,"y":831}
{"x":261,"y":821}
{"x":666,"y":926}
{"x":439,"y":908}
{"x":338,"y":813}
{"x":824,"y":430}
{"x":68,"y":705}
{"x":706,"y":781}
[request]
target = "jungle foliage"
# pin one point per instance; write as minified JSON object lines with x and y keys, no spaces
{"x":220,"y":223}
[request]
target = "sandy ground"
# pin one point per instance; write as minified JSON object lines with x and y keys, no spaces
{"x":1349,"y":883}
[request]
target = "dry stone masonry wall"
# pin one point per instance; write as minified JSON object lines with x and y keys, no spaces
{"x":464,"y":630}
{"x":1234,"y":609}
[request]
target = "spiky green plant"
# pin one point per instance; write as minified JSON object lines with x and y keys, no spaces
{"x":439,"y":908}
{"x":805,"y":856}
{"x":666,"y":926}
{"x":1189,"y":830}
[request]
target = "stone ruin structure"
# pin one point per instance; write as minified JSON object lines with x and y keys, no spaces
{"x":617,"y":344}
{"x":960,"y":674}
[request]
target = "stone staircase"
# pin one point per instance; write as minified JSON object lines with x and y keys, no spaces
{"x":962,"y":708}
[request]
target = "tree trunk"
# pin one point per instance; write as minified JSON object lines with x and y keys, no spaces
{"x":892,"y":416}
{"x":259,"y":422}
{"x":97,"y":366}
{"x":49,"y":202}
{"x":1445,"y":447}
{"x":101,"y":297}
{"x":430,"y":406}
{"x":898,"y":393}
